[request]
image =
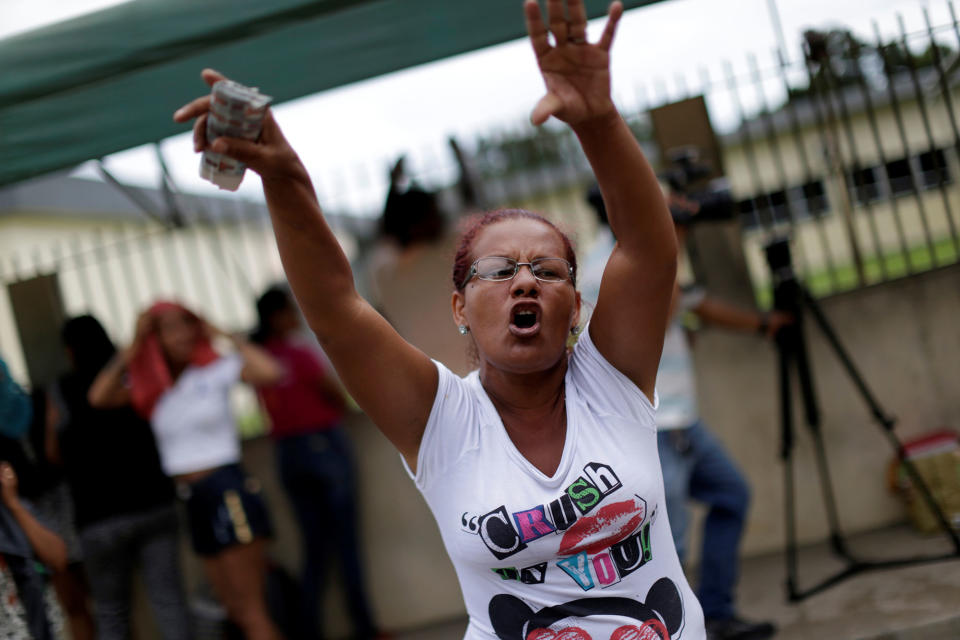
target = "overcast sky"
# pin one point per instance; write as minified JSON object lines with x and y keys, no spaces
{"x":346,"y":136}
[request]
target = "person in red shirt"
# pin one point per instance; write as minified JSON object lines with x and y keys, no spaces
{"x":314,"y":460}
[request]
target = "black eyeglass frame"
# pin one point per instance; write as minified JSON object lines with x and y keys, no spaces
{"x":516,"y":269}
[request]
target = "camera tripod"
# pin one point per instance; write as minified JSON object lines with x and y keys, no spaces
{"x":791,"y":296}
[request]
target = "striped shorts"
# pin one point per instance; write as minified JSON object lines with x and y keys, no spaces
{"x":223,"y":509}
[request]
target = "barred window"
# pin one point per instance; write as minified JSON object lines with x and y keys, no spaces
{"x":933,"y":166}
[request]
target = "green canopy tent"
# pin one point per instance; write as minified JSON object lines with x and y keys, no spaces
{"x":110,"y":80}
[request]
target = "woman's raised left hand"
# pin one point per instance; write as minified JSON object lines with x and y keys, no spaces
{"x":577,"y":73}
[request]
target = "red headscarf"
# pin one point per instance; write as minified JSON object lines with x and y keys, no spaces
{"x":149,"y":374}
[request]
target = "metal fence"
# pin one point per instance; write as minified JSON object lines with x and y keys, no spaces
{"x":858,"y":167}
{"x":851,"y":148}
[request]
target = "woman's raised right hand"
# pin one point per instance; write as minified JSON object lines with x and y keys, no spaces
{"x":271,"y":155}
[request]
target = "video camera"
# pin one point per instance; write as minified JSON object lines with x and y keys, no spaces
{"x":699,"y":198}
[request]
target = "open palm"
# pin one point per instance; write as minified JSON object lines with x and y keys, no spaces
{"x":576,"y":73}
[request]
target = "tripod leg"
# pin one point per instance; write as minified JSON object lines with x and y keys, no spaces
{"x":786,"y":454}
{"x":813,"y":423}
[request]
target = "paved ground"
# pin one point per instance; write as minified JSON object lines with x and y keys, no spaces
{"x":910,"y":603}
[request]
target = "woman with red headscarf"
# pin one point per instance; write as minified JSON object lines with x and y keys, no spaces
{"x":173,"y":376}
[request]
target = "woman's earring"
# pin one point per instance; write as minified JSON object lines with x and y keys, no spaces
{"x":464,"y":329}
{"x":575,"y":330}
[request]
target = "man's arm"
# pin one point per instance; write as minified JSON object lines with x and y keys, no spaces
{"x":723,"y":314}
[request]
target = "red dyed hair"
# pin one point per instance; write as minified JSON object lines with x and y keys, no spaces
{"x":462,"y":259}
{"x":149,"y":374}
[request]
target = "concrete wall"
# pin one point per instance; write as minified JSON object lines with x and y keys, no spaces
{"x":903,"y":336}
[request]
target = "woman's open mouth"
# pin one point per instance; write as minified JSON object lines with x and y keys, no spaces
{"x":525,"y":320}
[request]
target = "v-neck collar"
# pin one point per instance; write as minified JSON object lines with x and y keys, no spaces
{"x":492,"y":420}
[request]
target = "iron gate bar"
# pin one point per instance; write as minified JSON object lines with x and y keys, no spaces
{"x":790,"y":108}
{"x":777,"y":153}
{"x":870,"y":110}
{"x":835,"y":158}
{"x":931,"y":140}
{"x":904,"y":140}
{"x":945,"y":85}
{"x":746,"y":140}
{"x":944,"y":82}
{"x":846,"y":123}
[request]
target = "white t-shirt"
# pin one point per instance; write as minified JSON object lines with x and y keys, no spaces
{"x":584,"y":555}
{"x":192,"y":421}
{"x":676,"y":385}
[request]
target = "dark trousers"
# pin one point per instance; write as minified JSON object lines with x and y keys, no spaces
{"x":317,"y":472}
{"x":696,"y":466}
{"x":114,"y":549}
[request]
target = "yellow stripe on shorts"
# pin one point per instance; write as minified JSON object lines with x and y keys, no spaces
{"x":238,"y":517}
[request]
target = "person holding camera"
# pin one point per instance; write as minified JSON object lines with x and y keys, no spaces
{"x":693,"y":461}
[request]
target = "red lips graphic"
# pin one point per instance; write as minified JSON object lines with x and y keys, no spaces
{"x":649,"y":630}
{"x":568,"y":633}
{"x":608,"y":526}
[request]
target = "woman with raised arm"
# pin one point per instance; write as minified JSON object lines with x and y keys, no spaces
{"x":540,"y":467}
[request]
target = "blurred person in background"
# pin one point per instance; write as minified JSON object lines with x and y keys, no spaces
{"x":695,"y":464}
{"x":178,"y":381}
{"x":123,"y":501}
{"x":404,"y":275}
{"x":54,"y":503}
{"x":314,"y":460}
{"x":26,"y":611}
{"x":29,"y":551}
{"x":411,"y":214}
{"x":410,"y":225}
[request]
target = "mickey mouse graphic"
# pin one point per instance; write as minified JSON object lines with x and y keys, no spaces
{"x":660,"y":617}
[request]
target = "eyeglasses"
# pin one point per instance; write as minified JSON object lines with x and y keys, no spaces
{"x":500,"y":269}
